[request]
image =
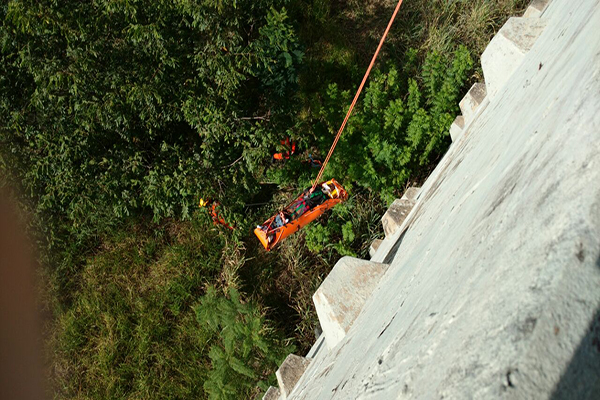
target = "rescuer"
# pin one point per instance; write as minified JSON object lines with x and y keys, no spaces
{"x":214,"y":212}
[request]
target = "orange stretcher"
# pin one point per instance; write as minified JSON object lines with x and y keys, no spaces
{"x":307,"y":207}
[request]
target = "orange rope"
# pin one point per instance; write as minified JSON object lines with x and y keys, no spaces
{"x":360,"y":88}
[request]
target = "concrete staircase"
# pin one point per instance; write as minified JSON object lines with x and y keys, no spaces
{"x":499,"y":61}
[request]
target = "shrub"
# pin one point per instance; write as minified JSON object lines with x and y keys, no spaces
{"x":394,"y":133}
{"x":242,"y":351}
{"x":317,"y":236}
{"x":112,"y":109}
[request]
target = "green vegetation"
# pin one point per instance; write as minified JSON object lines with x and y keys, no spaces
{"x":146,"y":323}
{"x":118,"y":115}
{"x":399,"y":134}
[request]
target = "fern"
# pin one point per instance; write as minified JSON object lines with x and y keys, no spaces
{"x":242,"y":350}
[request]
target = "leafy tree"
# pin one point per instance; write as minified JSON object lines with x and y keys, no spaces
{"x":112,"y":108}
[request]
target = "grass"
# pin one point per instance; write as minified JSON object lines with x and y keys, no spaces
{"x":130,"y":331}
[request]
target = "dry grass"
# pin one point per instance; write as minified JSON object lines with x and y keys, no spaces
{"x":233,"y":258}
{"x":353,"y":29}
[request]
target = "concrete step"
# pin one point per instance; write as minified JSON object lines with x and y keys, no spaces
{"x":374,"y":246}
{"x":412,"y":193}
{"x":456,"y":129}
{"x":395,"y":215}
{"x":471,"y":102}
{"x":272,"y":394}
{"x":536,"y":8}
{"x":507,"y":50}
{"x":342,"y":295}
{"x":289,"y":373}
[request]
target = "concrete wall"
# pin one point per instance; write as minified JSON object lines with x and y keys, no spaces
{"x":493,"y":288}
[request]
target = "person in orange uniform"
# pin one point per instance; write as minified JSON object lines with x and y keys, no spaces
{"x":214,"y":213}
{"x":291,"y":150}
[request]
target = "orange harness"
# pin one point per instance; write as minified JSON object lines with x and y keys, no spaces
{"x":214,"y":213}
{"x":291,"y":146}
{"x":217,"y":219}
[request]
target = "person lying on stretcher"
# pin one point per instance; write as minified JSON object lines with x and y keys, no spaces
{"x":307,"y":207}
{"x":303,"y":204}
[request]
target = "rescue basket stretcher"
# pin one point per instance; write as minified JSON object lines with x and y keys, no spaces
{"x":307,"y":207}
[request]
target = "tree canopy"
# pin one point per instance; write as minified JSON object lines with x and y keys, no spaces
{"x":112,"y":107}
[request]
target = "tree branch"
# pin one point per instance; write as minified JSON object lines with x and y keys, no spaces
{"x":265,"y":117}
{"x":233,"y":163}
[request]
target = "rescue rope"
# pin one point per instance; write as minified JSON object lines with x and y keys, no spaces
{"x":360,"y":88}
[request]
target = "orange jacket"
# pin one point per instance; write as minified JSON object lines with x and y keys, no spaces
{"x":286,"y":155}
{"x":217,"y":219}
{"x":214,"y":213}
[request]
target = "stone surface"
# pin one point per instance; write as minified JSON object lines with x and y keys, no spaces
{"x":507,"y":50}
{"x":316,"y":364}
{"x":412,"y":193}
{"x":493,"y":291}
{"x":532,"y":12}
{"x":395,"y":215}
{"x":472,"y":101}
{"x":457,"y":127}
{"x":341,"y":296}
{"x":272,"y":394}
{"x":318,"y":331}
{"x":374,"y":246}
{"x":289,"y":373}
{"x":535,"y":9}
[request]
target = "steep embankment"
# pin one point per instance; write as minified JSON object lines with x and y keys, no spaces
{"x":492,"y":284}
